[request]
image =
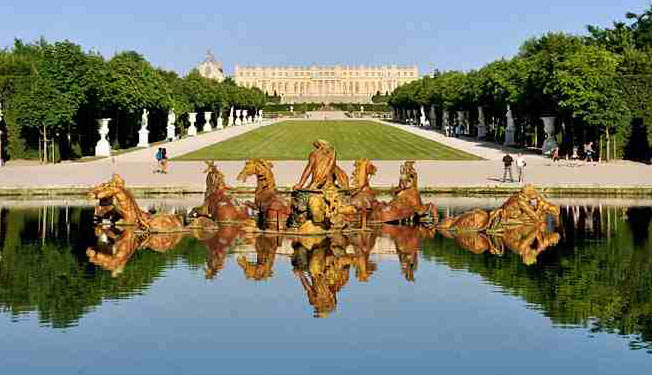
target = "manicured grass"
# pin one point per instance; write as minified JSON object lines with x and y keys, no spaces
{"x":292,"y":140}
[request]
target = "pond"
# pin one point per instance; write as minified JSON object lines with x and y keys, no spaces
{"x":75,"y":299}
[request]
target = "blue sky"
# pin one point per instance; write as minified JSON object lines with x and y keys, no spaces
{"x":452,"y":34}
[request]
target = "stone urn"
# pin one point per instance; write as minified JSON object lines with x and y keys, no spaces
{"x":207,"y":122}
{"x":192,"y":118}
{"x":103,"y":148}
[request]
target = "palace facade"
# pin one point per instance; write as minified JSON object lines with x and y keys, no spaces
{"x":326,"y":84}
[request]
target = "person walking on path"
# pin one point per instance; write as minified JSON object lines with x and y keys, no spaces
{"x":520,"y":164}
{"x":588,"y":150}
{"x":164,"y":160}
{"x":159,"y":160}
{"x":507,"y":161}
{"x":555,"y":155}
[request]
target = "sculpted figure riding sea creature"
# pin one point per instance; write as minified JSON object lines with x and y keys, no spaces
{"x":125,"y":206}
{"x":526,"y":207}
{"x":218,"y":204}
{"x":406,"y":203}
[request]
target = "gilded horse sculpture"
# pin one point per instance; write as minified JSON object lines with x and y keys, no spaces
{"x":406,"y":203}
{"x":273,"y":210}
{"x":126,"y":207}
{"x":218,"y":204}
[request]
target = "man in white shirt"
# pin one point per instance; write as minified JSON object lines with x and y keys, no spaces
{"x":520,"y":165}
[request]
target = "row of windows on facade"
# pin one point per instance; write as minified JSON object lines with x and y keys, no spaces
{"x":322,"y":74}
{"x":332,"y":88}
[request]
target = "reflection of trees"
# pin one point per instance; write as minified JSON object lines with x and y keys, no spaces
{"x":587,"y":281}
{"x":44,"y":267}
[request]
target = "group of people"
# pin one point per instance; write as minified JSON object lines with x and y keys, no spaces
{"x":508,"y":160}
{"x":161,"y":160}
{"x":589,"y":153}
{"x":453,"y":130}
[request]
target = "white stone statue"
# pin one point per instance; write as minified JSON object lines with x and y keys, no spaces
{"x":192,"y":119}
{"x":511,"y":129}
{"x":550,"y":142}
{"x":482,"y":127}
{"x":143,"y":133}
{"x":433,"y":117}
{"x":238,"y":121}
{"x":207,"y":121}
{"x":362,"y":108}
{"x":103,"y":148}
{"x":245,"y":116}
{"x":171,"y":129}
{"x":460,"y":121}
{"x":446,"y":123}
{"x":231,"y":118}
{"x":422,"y":118}
{"x":291,"y":109}
{"x":261,"y":116}
{"x":219,"y":120}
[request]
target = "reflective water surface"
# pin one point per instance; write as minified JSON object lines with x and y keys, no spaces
{"x":572,"y":295}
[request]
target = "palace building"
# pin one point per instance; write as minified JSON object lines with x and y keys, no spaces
{"x":326,"y":84}
{"x":211,"y":68}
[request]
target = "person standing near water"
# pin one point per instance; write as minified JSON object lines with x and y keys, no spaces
{"x":520,"y":164}
{"x":507,"y":161}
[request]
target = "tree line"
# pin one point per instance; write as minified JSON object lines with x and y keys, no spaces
{"x":599,"y":86}
{"x":53,"y":93}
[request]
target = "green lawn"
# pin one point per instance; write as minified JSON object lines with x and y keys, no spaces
{"x":292,"y":140}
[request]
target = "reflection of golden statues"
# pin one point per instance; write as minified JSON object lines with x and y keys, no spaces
{"x":322,"y":169}
{"x":408,"y":241}
{"x":526,"y":240}
{"x":217,"y":247}
{"x":363,"y":243}
{"x":322,"y":266}
{"x":273,"y":210}
{"x":261,"y":269}
{"x":529,"y":241}
{"x":525,"y":207}
{"x":126,"y":207}
{"x":115,"y":247}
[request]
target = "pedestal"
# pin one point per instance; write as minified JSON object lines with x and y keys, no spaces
{"x":143,"y":137}
{"x":219,"y":125}
{"x":103,"y":148}
{"x":171,"y":132}
{"x":509,"y":136}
